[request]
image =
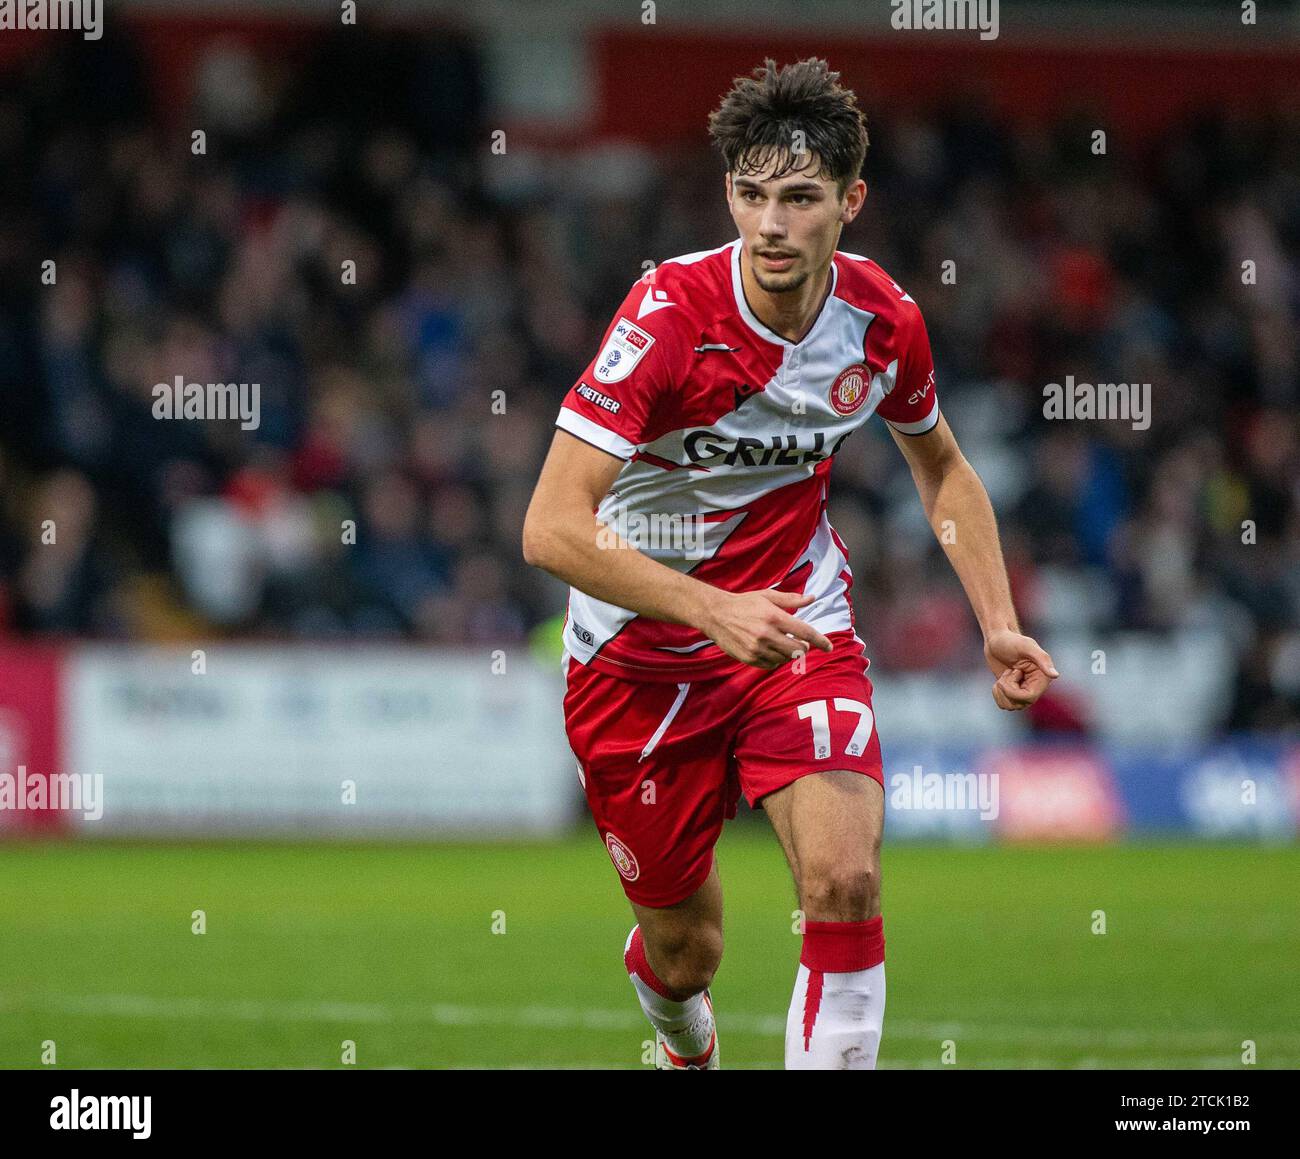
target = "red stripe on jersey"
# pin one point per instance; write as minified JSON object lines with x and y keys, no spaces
{"x":847,"y":577}
{"x":666,"y":464}
{"x":839,"y":542}
{"x":796,"y":579}
{"x":760,"y":553}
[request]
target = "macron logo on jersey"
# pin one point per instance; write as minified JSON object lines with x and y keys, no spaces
{"x":655,"y":299}
{"x":626,"y":347}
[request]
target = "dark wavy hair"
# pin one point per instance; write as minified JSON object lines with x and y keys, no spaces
{"x":763,"y":112}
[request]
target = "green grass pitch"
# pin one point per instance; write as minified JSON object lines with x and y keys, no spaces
{"x":509,"y":955}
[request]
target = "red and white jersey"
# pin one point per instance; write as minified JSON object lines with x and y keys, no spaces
{"x":728,"y":431}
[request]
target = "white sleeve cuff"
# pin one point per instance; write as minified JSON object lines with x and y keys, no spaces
{"x":921,"y":426}
{"x":593,"y":433}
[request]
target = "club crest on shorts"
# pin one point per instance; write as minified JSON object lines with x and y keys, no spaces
{"x":622,"y":858}
{"x":625,"y":347}
{"x":850,"y":388}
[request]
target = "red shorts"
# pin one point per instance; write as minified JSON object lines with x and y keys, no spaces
{"x":664,"y":764}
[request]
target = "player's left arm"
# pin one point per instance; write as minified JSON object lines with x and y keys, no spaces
{"x":961,"y":516}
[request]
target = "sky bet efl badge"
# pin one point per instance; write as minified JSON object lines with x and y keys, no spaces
{"x":619,"y":355}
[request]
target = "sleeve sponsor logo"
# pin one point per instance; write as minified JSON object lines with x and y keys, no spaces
{"x":593,"y":396}
{"x":917,"y":395}
{"x":625,"y":347}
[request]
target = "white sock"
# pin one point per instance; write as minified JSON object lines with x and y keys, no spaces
{"x":687,"y":1026}
{"x":837,"y":1015}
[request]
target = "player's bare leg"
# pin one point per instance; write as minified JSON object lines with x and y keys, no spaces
{"x":671,"y":956}
{"x":830,"y":826}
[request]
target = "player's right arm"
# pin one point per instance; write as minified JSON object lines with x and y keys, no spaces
{"x":562,"y":536}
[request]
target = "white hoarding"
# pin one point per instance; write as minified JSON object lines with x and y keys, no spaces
{"x":320,"y":740}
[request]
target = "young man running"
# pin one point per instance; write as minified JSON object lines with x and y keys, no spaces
{"x":710,"y":638}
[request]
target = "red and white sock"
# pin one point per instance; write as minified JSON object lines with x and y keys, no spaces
{"x":838,"y":1009}
{"x":686,"y":1023}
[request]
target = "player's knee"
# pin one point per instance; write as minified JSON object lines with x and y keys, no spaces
{"x":686,"y":963}
{"x":839,"y":892}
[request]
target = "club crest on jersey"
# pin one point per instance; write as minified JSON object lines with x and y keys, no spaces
{"x":622,"y":858}
{"x":850,"y":388}
{"x":625,"y":347}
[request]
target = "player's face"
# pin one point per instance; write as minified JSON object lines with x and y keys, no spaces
{"x":790,"y":226}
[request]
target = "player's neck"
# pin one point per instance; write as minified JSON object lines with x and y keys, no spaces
{"x":791,"y":314}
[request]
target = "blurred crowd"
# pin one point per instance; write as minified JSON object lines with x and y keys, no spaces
{"x":405,"y":412}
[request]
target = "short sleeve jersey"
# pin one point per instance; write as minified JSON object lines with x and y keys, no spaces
{"x":727,"y":432}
